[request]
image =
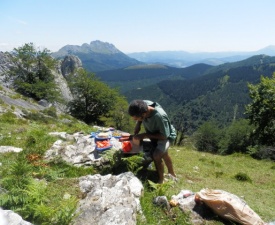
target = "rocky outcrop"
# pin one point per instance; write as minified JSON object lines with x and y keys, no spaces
{"x":8,"y":217}
{"x":77,"y":149}
{"x":64,"y":67}
{"x":6,"y":96}
{"x":109,"y":199}
{"x":62,"y":84}
{"x":5,"y":64}
{"x":5,"y":149}
{"x":67,"y":66}
{"x":70,"y":64}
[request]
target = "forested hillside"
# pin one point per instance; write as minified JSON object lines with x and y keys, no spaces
{"x":136,"y":77}
{"x":221,"y":94}
{"x":140,"y":76}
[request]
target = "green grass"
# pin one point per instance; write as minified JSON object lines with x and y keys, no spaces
{"x":198,"y":170}
{"x":53,"y":198}
{"x":157,"y":215}
{"x":238,"y":174}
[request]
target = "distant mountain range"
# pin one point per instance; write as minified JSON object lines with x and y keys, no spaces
{"x":101,"y":56}
{"x":184,"y":59}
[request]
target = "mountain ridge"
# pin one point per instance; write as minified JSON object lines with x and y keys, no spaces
{"x":172,"y":58}
{"x":94,"y":46}
{"x":97,"y":56}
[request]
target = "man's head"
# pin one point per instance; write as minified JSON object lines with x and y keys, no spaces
{"x":138,"y":109}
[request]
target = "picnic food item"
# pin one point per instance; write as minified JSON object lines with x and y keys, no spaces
{"x":126,"y":146}
{"x":103,"y":135}
{"x":116,"y":134}
{"x":103,"y":144}
{"x":124,"y":134}
{"x":124,"y":139}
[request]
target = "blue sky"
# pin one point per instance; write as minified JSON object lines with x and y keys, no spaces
{"x":139,"y":25}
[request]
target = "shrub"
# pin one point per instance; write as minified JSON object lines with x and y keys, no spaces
{"x":219,"y":174}
{"x":236,"y":138}
{"x":207,"y":137}
{"x":51,"y":111}
{"x":17,"y":179}
{"x":242,"y":177}
{"x":262,"y":152}
{"x":38,"y":141}
{"x":39,"y":117}
{"x":134,"y":163}
{"x":8,"y":117}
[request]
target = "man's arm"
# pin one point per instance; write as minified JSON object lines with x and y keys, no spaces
{"x":137,"y":127}
{"x":157,"y":136}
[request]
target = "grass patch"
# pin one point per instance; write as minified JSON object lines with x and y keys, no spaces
{"x":195,"y":172}
{"x":157,"y":215}
{"x":69,"y":171}
{"x":41,"y":193}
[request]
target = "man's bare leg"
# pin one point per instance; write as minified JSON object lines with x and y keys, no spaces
{"x":157,"y":157}
{"x":168,"y":162}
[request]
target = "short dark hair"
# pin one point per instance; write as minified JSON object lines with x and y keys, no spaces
{"x":137,"y":108}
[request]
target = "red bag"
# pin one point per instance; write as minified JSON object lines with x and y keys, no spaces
{"x":126,"y":146}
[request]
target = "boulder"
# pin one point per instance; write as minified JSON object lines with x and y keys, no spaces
{"x":109,"y":199}
{"x":8,"y":217}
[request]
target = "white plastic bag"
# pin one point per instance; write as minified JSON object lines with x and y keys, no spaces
{"x":229,"y":206}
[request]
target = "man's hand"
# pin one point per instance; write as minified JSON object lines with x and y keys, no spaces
{"x":139,"y":136}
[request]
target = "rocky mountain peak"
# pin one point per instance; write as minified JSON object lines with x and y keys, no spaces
{"x":97,"y":56}
{"x":94,"y":47}
{"x":103,"y":47}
